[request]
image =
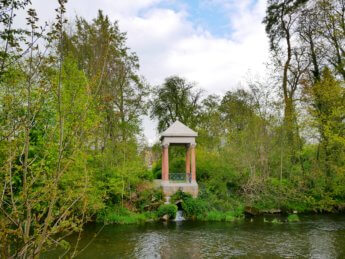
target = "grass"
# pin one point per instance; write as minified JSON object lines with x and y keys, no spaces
{"x":123,"y":216}
{"x":214,"y":215}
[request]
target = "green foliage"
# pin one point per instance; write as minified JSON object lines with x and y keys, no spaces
{"x":276,"y":221}
{"x":328,"y":111}
{"x":215,"y":215}
{"x":118,"y":215}
{"x":71,"y":135}
{"x":176,"y":99}
{"x":167,"y":209}
{"x":293,"y":218}
{"x":157,"y":169}
{"x":180,"y":195}
{"x":194,"y":208}
{"x":149,"y":199}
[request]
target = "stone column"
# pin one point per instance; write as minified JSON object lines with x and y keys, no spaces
{"x":188,"y":160}
{"x":165,"y":162}
{"x":192,"y":151}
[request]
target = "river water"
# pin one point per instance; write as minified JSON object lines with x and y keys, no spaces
{"x":317,"y":236}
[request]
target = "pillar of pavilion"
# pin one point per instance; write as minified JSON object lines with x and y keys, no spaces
{"x":179,"y":134}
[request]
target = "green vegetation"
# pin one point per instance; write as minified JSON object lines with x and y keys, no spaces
{"x":71,"y":146}
{"x":167,"y":209}
{"x":120,"y":215}
{"x":293,"y":218}
{"x":215,"y":215}
{"x":207,"y":210}
{"x":276,"y":221}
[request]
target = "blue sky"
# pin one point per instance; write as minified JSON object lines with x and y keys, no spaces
{"x":207,"y":14}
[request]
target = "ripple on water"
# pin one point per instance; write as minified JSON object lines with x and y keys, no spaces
{"x":313,"y":237}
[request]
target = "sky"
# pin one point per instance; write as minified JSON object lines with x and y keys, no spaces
{"x":214,"y":43}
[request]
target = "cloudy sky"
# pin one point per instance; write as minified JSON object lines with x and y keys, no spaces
{"x":214,"y":43}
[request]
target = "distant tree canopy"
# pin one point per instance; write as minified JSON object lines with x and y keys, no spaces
{"x":176,"y":99}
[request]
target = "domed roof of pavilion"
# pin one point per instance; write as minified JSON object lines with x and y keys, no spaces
{"x":178,"y":129}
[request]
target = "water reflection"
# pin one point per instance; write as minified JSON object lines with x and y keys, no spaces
{"x":322,"y":239}
{"x":148,"y":245}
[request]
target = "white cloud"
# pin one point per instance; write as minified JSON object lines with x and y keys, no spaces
{"x":167,"y":43}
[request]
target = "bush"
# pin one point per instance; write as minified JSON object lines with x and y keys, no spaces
{"x":235,"y":214}
{"x":167,"y":209}
{"x":157,"y":170}
{"x":180,"y":195}
{"x":215,"y":216}
{"x":149,"y":200}
{"x":276,"y":221}
{"x":119,"y":215}
{"x":293,"y":218}
{"x":194,"y":207}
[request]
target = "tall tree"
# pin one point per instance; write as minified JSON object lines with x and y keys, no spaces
{"x":327,"y":97}
{"x":112,"y":69}
{"x":281,"y":21}
{"x":176,"y":99}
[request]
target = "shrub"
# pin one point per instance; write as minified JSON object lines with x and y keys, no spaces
{"x":180,"y":195}
{"x":167,"y":209}
{"x":149,"y":200}
{"x":157,"y":170}
{"x":276,"y":221}
{"x":119,"y":215}
{"x":194,"y":207}
{"x":234,"y":214}
{"x":293,"y":218}
{"x":215,"y":216}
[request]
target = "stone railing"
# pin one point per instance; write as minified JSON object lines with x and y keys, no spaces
{"x":178,"y":177}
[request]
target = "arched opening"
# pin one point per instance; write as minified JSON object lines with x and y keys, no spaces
{"x":179,"y":205}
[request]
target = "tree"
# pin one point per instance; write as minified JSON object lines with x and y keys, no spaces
{"x":43,"y":192}
{"x":175,"y":100}
{"x":280,"y":21}
{"x":11,"y":49}
{"x":328,"y":110}
{"x":331,"y":20}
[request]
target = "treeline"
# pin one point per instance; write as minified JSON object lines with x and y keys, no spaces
{"x":70,"y":105}
{"x":71,"y":148}
{"x":278,"y":143}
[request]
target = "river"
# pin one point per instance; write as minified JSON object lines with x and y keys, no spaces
{"x":315,"y":236}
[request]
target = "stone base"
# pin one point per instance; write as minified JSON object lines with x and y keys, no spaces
{"x":170,"y":188}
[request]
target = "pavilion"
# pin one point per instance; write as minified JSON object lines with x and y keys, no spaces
{"x":179,"y":134}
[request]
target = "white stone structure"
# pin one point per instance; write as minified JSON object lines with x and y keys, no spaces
{"x":179,"y":134}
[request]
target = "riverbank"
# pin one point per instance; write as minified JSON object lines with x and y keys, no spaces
{"x":199,"y":209}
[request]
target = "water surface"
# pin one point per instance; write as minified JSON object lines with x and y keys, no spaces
{"x":317,"y":236}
